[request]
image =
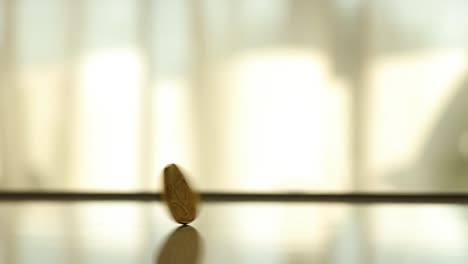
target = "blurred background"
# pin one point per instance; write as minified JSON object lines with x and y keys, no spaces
{"x":249,"y":96}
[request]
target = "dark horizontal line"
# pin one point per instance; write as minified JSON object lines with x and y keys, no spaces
{"x":365,"y":198}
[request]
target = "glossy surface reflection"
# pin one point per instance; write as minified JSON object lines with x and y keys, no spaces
{"x":184,"y":246}
{"x":232,"y":233}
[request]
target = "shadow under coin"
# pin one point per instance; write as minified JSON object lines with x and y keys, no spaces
{"x":184,"y":245}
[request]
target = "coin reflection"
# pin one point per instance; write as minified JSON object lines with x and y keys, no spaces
{"x":184,"y":245}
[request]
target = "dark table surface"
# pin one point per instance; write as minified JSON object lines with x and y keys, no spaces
{"x":232,"y":232}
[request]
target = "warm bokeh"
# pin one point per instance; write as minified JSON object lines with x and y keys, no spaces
{"x":264,"y":95}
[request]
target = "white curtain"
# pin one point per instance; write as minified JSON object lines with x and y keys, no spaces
{"x":101,"y":95}
{"x":245,"y":95}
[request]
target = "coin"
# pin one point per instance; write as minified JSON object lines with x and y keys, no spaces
{"x":179,"y":197}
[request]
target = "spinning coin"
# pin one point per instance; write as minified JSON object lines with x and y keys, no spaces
{"x":179,"y":197}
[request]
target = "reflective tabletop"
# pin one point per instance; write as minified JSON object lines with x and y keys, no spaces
{"x":232,"y":232}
